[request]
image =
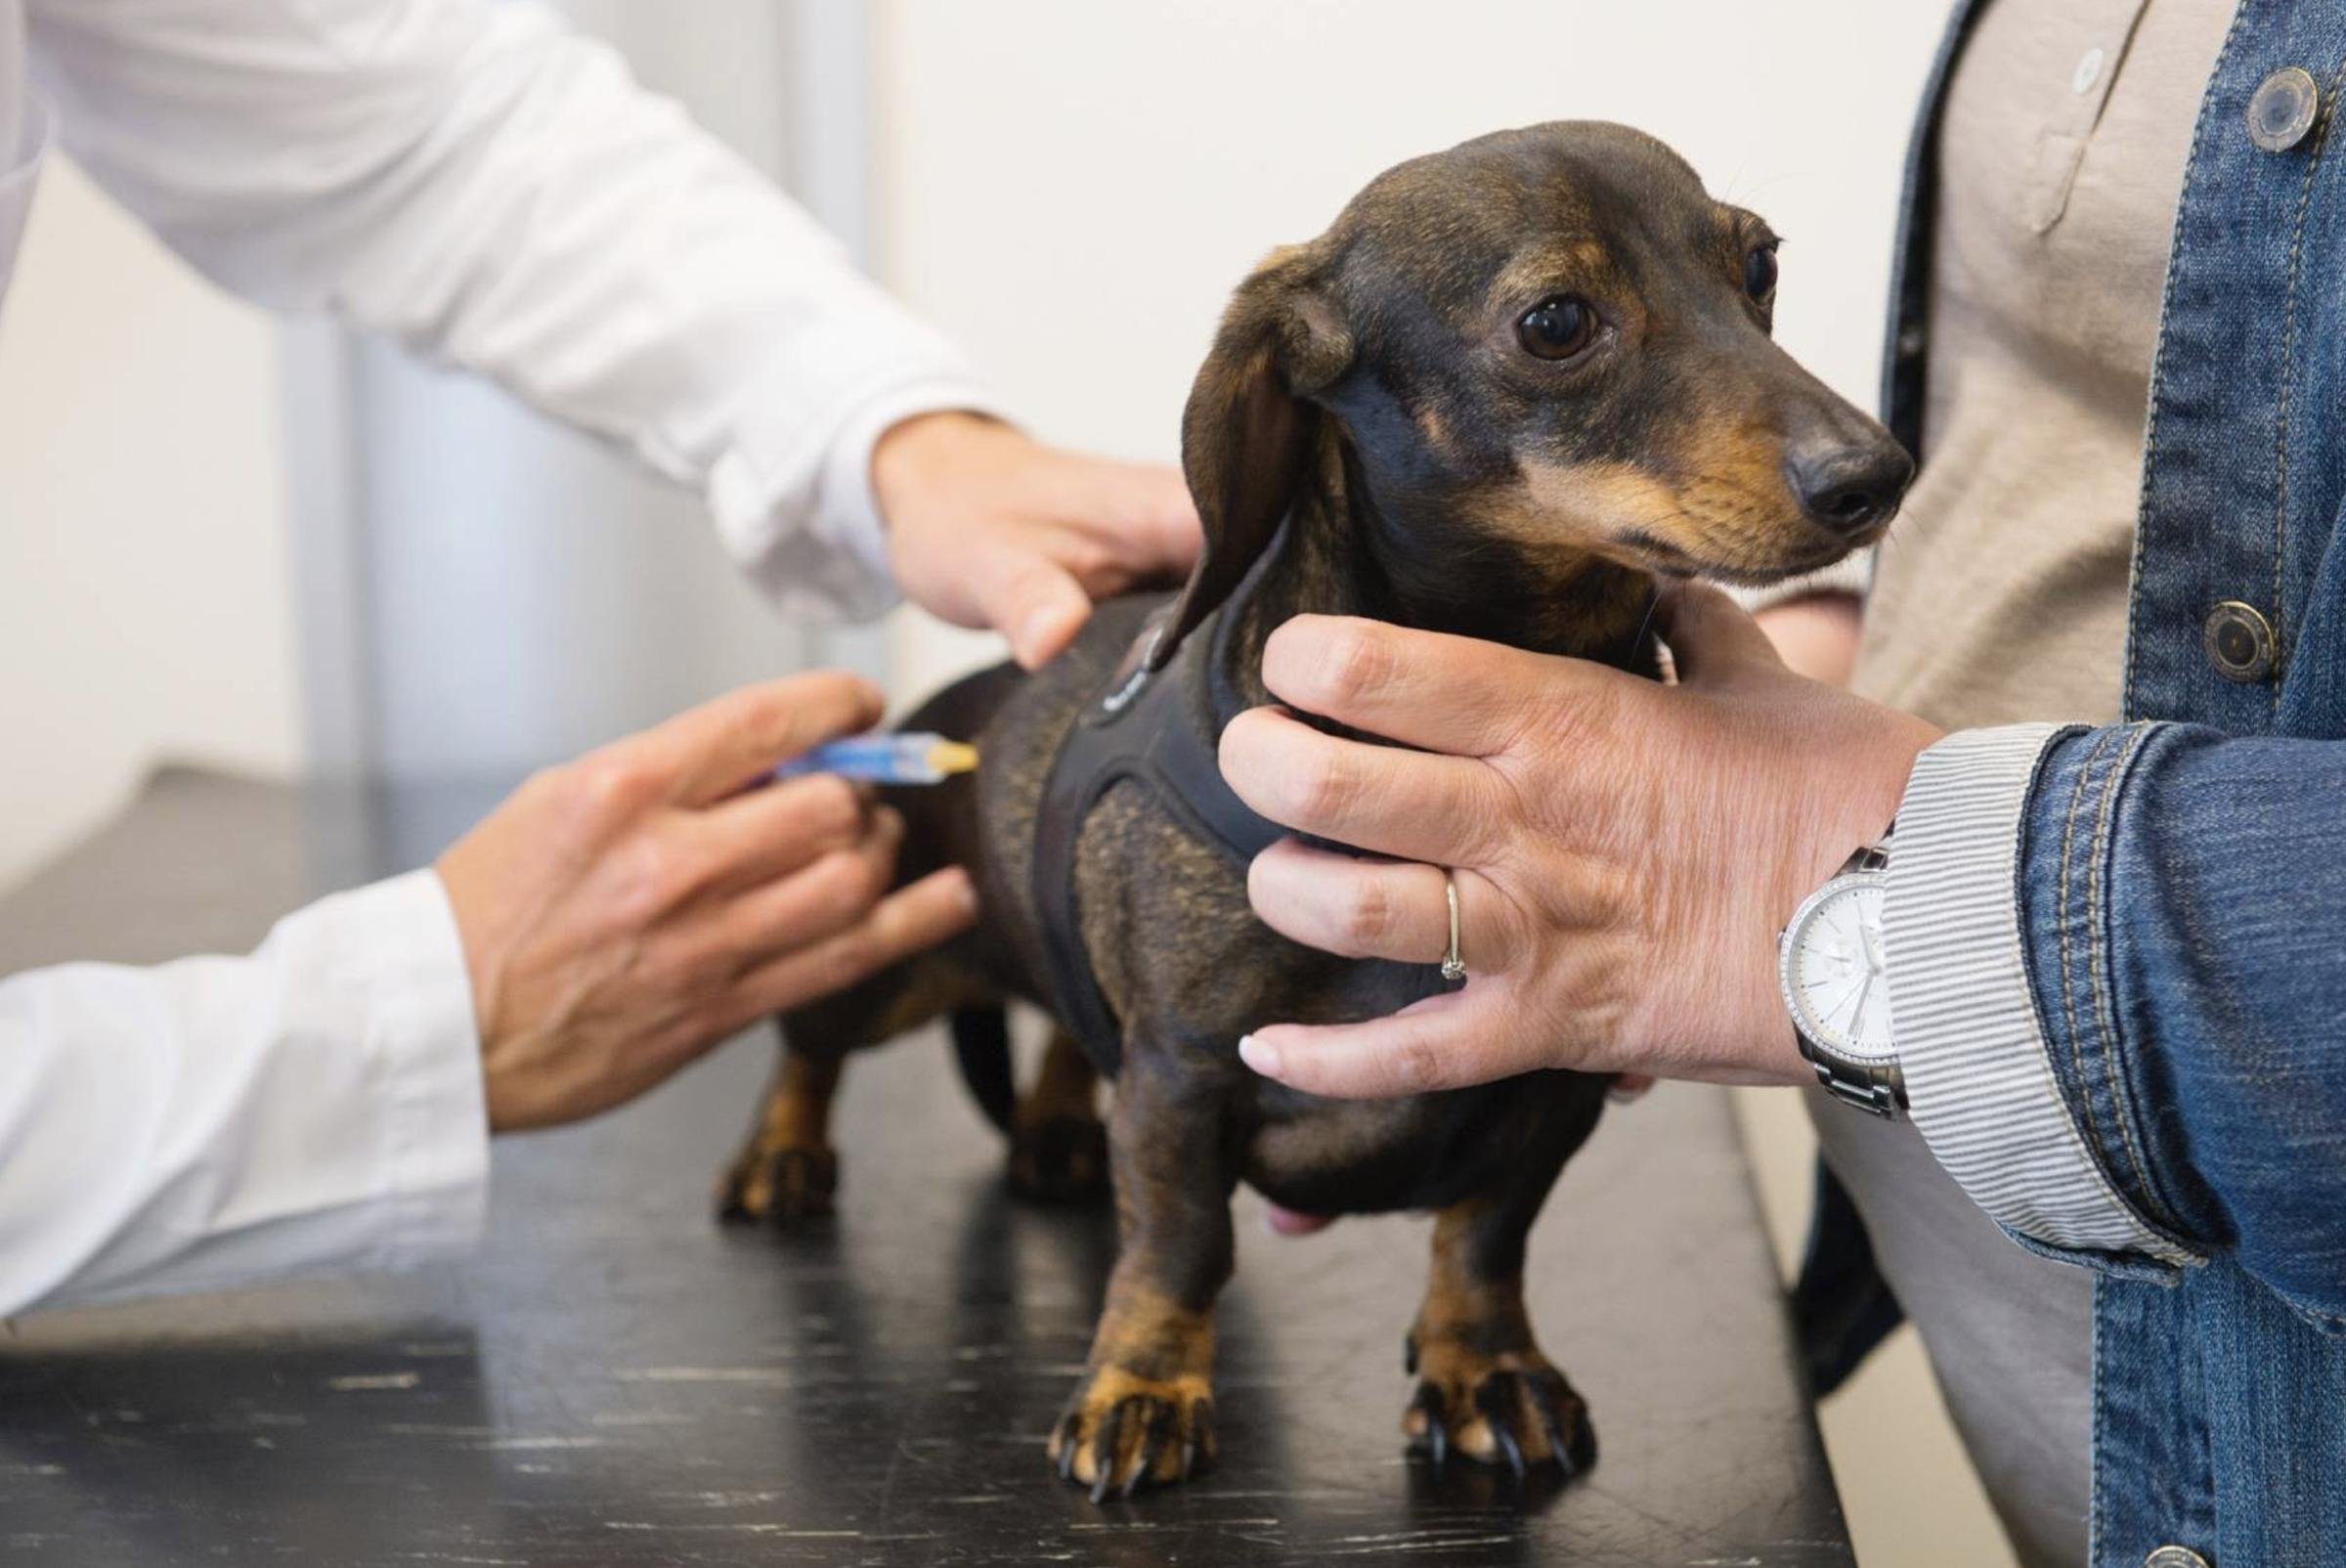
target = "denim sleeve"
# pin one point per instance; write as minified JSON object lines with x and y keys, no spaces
{"x":2183,"y":895}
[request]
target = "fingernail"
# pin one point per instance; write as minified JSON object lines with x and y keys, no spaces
{"x":1259,"y":1055}
{"x":1628,"y":1087}
{"x":1041,"y":630}
{"x":969,"y":893}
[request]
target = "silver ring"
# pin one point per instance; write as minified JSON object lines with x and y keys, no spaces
{"x":1454,"y":967}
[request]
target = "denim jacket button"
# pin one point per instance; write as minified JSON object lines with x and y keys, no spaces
{"x":2238,"y":642}
{"x":2088,"y":71}
{"x":2175,"y":1557}
{"x":2285,"y":108}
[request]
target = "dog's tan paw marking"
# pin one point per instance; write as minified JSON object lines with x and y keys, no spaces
{"x":1121,"y":1432}
{"x":1060,"y":1159}
{"x":1508,"y":1407}
{"x":780,"y":1187}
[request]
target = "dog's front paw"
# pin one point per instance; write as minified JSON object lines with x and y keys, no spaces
{"x":1121,"y":1432}
{"x":780,"y":1187}
{"x":1060,"y":1159}
{"x":1510,"y":1408}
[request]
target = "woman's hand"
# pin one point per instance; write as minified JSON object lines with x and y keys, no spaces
{"x":990,"y":528}
{"x":625,"y":912}
{"x":1624,"y":851}
{"x":1816,"y":635}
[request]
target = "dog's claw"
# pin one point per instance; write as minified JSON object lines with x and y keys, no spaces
{"x":1499,"y":1399}
{"x":1104,"y":1449}
{"x":1435,"y":1434}
{"x":1152,"y":1443}
{"x":1550,"y":1426}
{"x":1574,"y":1450}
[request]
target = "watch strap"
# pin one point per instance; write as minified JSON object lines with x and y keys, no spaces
{"x":1879,"y":1090}
{"x":1873,"y":856}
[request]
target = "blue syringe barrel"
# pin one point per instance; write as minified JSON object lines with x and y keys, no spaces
{"x":872,"y":760}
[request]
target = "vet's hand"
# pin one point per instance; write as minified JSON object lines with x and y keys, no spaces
{"x":1625,"y":852}
{"x":990,"y":528}
{"x":625,"y":912}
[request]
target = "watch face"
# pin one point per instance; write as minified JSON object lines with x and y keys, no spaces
{"x":1834,"y":978}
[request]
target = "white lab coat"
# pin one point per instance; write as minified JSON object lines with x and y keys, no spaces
{"x":494,"y":190}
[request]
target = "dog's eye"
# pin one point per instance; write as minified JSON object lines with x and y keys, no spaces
{"x":1760,"y":272}
{"x":1557,"y":328}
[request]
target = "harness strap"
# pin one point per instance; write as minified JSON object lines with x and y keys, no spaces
{"x":1146,"y":727}
{"x":1143,"y":727}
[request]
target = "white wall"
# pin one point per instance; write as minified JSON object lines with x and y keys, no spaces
{"x":145,"y":603}
{"x":1073,"y":188}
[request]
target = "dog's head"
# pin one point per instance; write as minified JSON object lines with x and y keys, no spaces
{"x":1545,"y":346}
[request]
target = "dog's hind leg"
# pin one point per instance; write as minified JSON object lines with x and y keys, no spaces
{"x":1484,"y":1388}
{"x":786,"y":1172}
{"x":1145,"y":1410}
{"x":1057,"y":1145}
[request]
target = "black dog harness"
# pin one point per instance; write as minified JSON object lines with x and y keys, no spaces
{"x":1145,"y":727}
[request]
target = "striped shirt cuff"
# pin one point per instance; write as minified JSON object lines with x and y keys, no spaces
{"x":1979,"y":1080}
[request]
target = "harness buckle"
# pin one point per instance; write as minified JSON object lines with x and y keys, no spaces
{"x":1132,"y":675}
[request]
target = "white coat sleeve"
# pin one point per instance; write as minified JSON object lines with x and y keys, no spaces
{"x":494,"y":191}
{"x":316,"y":1103}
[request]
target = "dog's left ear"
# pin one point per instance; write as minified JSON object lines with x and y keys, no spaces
{"x":1247,"y":433}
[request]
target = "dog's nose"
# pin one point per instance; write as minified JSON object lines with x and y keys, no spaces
{"x":1848,"y":488}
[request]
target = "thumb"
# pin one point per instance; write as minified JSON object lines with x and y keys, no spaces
{"x":1442,"y":1042}
{"x":1038,"y":605}
{"x":1710,"y":637}
{"x":1136,"y":521}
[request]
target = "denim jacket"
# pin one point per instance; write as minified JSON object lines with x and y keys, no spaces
{"x":2118,"y":955}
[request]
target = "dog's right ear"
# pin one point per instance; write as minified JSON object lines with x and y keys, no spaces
{"x":1247,"y":432}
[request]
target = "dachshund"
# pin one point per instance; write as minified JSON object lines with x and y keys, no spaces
{"x":1512,"y":386}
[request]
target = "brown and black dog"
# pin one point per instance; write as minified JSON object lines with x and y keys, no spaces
{"x":1510,"y":386}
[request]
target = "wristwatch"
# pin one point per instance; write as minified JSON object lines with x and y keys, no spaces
{"x":1833,"y":972}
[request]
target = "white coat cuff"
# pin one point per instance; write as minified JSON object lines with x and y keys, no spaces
{"x":847,"y":499}
{"x":427,"y":1062}
{"x":792,"y":495}
{"x":1978,"y":1080}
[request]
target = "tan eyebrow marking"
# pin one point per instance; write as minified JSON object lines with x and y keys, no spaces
{"x":1573,"y":261}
